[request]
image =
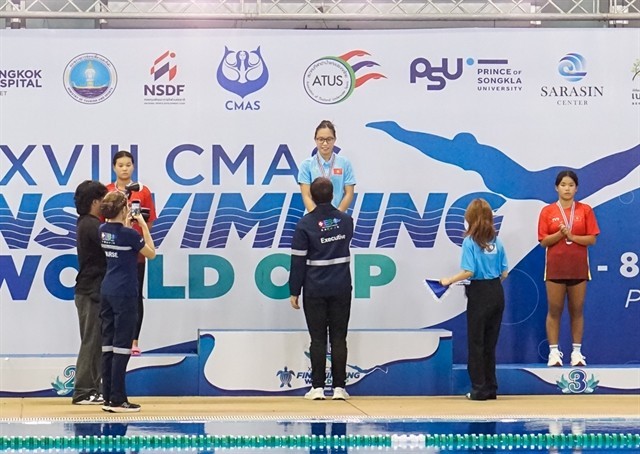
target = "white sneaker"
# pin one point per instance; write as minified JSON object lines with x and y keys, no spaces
{"x":315,"y":394}
{"x":340,"y":394}
{"x":577,"y":360}
{"x":555,"y":358}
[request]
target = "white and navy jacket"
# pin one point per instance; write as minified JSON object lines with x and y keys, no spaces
{"x":320,"y":253}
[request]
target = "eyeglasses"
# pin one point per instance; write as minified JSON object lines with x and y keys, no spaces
{"x":325,"y":139}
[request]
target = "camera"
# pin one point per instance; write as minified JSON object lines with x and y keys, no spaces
{"x":131,"y":187}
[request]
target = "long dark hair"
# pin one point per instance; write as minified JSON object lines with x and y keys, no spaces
{"x":112,"y":204}
{"x":325,"y":124}
{"x":479,"y":216}
{"x":122,"y":154}
{"x":567,"y":173}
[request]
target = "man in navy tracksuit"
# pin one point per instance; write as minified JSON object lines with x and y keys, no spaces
{"x":320,"y":259}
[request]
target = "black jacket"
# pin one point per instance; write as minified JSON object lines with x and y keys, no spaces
{"x":91,"y":259}
{"x":320,"y":253}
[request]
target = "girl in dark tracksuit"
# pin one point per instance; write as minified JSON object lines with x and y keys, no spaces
{"x":484,"y":263}
{"x":119,"y":295}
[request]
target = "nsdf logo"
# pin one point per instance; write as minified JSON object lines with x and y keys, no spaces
{"x":164,"y":89}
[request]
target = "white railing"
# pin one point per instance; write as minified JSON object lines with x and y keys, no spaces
{"x":327,"y":13}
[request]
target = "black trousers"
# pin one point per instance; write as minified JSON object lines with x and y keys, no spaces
{"x":141,"y":270}
{"x":328,"y":314}
{"x":485,"y":305}
{"x":119,"y":315}
{"x":88,"y":373}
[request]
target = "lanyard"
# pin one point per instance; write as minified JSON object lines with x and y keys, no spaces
{"x":321,"y":165}
{"x":568,"y":223}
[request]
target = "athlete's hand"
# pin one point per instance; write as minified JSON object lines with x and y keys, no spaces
{"x":294,"y":302}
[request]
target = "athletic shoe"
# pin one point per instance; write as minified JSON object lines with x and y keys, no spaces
{"x":106,"y":406}
{"x":555,"y":358}
{"x":577,"y":360}
{"x":471,"y":396}
{"x":124,"y":407}
{"x":340,"y":394}
{"x":315,"y":394}
{"x":93,"y":399}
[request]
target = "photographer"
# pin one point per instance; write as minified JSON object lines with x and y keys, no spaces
{"x":123,"y":167}
{"x":119,"y":294}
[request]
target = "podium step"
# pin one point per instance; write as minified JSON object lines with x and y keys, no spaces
{"x":540,"y":379}
{"x":151,"y":374}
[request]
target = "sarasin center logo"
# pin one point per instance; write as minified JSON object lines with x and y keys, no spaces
{"x":573,"y":69}
{"x":330,"y":80}
{"x":90,"y":78}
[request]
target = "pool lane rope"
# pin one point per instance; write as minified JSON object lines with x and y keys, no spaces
{"x":618,"y":441}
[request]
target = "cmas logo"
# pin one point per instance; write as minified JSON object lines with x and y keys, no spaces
{"x":90,"y":78}
{"x":163,"y":89}
{"x":331,"y":80}
{"x":242,"y":73}
{"x":573,"y":69}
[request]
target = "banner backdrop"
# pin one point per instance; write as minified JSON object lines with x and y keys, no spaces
{"x":219,"y":122}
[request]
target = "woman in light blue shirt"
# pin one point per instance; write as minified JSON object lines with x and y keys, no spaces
{"x":484,"y":263}
{"x":328,"y":164}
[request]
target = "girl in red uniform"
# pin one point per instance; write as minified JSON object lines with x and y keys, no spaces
{"x":565,"y":229}
{"x":123,"y":166}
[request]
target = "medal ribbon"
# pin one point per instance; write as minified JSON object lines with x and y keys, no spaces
{"x":331,"y":161}
{"x":569,"y":223}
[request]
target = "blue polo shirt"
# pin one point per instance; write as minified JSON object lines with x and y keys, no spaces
{"x":341,"y":174}
{"x":121,"y":245}
{"x":482,"y":263}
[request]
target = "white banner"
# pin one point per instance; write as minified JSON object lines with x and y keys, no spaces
{"x":220,"y":120}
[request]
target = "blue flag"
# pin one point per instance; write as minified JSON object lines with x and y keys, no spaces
{"x":438,"y":291}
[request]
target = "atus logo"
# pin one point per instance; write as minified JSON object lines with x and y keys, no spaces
{"x":330,"y":80}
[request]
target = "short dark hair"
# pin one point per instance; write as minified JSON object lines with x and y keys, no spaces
{"x":321,"y":190}
{"x":122,"y":154}
{"x":86,"y":193}
{"x":567,"y":173}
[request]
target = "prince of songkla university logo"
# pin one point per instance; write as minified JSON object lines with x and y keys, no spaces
{"x":90,"y":78}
